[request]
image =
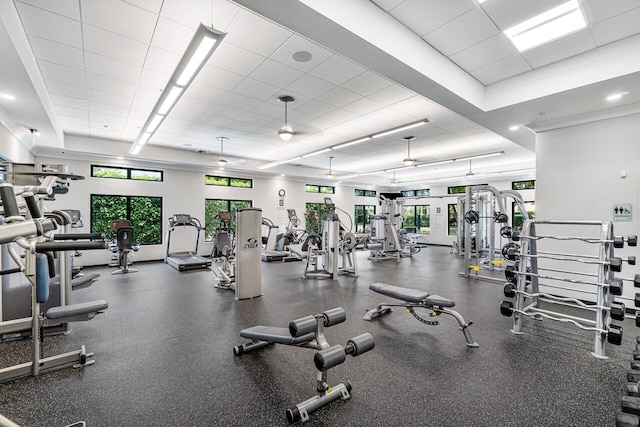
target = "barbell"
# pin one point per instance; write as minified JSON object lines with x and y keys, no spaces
{"x":473,"y":217}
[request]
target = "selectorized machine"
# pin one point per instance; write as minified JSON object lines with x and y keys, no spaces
{"x":186,"y":260}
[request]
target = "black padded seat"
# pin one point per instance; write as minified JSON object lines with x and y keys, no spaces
{"x":276,"y":335}
{"x":405,"y":294}
{"x":76,"y":309}
{"x":439,"y":301}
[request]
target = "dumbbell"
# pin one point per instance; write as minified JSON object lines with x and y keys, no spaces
{"x":506,"y":231}
{"x":473,"y":217}
{"x":511,"y":251}
{"x":618,"y":241}
{"x":511,"y":273}
{"x":615,"y":263}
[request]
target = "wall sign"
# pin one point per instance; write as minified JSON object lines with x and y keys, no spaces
{"x":622,"y":212}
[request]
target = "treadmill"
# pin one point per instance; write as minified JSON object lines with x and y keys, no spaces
{"x":188,"y":260}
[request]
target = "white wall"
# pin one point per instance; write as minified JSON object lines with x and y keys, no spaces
{"x":13,"y":149}
{"x":579,"y":176}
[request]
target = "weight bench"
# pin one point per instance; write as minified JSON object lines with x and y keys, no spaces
{"x":308,"y":332}
{"x":417,"y":298}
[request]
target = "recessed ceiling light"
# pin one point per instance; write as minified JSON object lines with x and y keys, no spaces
{"x":548,"y":26}
{"x":187,"y":145}
{"x":120,"y":158}
{"x":616,"y":96}
{"x":302,"y":56}
{"x":514,"y":127}
{"x":8,"y":97}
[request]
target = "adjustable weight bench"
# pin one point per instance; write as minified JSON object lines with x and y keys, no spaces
{"x":417,"y":298}
{"x":308,"y":332}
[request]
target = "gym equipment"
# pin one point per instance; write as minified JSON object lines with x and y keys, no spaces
{"x":484,"y":207}
{"x":224,"y":251}
{"x":188,"y":260}
{"x":273,"y":250}
{"x":388,"y":238}
{"x":248,"y":271}
{"x":627,"y":420}
{"x":308,"y":332}
{"x":532,"y":262}
{"x":332,"y":254}
{"x":293,"y":235}
{"x":37,"y":268}
{"x":417,"y":298}
{"x":122,"y":245}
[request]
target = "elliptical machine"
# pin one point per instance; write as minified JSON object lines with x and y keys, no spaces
{"x":224,"y":251}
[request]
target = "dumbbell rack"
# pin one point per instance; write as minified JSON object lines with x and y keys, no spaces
{"x":534,"y":265}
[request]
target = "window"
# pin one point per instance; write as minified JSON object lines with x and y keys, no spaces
{"x":524,"y":185}
{"x":125,"y":173}
{"x":408,"y":193}
{"x":324,"y":189}
{"x":460,"y":189}
{"x":320,"y":210}
{"x":365,"y":193}
{"x":145,"y":214}
{"x":361,"y":217}
{"x":211,"y":209}
{"x":224,"y":181}
{"x":452,"y":219}
{"x":417,"y":218}
{"x":518,"y":220}
{"x":416,"y":193}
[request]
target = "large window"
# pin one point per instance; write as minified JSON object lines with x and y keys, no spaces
{"x":125,"y":173}
{"x":524,"y":185}
{"x":518,"y":219}
{"x":452,"y":219}
{"x":458,"y":189}
{"x":145,"y":214}
{"x":361,"y":217}
{"x":225,"y":181}
{"x":319,"y":210}
{"x":417,"y":218}
{"x":416,"y":193}
{"x":213,"y":206}
{"x":324,"y":189}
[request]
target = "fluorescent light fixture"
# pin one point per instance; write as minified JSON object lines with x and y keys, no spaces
{"x":514,"y":128}
{"x":439,"y":162}
{"x":8,"y":97}
{"x":347,"y":144}
{"x":401,"y":168}
{"x":371,"y":173}
{"x":479,"y":156}
{"x":316,"y":152}
{"x":616,"y":96}
{"x":290,"y":160}
{"x":204,"y":42}
{"x":550,"y":25}
{"x":350,"y":176}
{"x":268,"y":165}
{"x":400,"y":129}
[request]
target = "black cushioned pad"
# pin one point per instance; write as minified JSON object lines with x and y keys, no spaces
{"x":76,"y":309}
{"x":411,"y":295}
{"x":405,"y":294}
{"x":275,"y":335}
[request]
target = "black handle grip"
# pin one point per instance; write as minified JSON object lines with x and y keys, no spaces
{"x":32,"y":205}
{"x":79,"y":236}
{"x":69,"y":246}
{"x":9,"y":202}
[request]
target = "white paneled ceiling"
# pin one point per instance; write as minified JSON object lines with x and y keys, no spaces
{"x":105,"y":63}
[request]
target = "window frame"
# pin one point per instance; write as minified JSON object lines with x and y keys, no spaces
{"x":128,"y":216}
{"x":527,"y":184}
{"x":318,"y":189}
{"x":229,"y":181}
{"x":128,"y":172}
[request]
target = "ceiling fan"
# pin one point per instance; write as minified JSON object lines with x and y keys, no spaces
{"x":286,"y":133}
{"x":221,"y":160}
{"x":470,"y":173}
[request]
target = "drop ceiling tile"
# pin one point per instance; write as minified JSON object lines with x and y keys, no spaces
{"x":235,"y":59}
{"x":469,"y":29}
{"x":387,"y":5}
{"x":415,"y":107}
{"x":113,"y":46}
{"x":205,"y":92}
{"x":106,"y":84}
{"x":50,"y":26}
{"x":142,"y":106}
{"x":391,"y":94}
{"x":186,"y":116}
{"x":246,"y":26}
{"x":243,"y":116}
{"x":105,"y":121}
{"x":68,"y":101}
{"x":337,"y":70}
{"x":68,"y":8}
{"x":97,"y":132}
{"x":61,"y":73}
{"x":193,"y":104}
{"x":197,"y":11}
{"x":58,"y":53}
{"x":97,"y":107}
{"x":316,"y":108}
{"x":506,"y":14}
{"x":366,"y":83}
{"x":422,"y":16}
{"x":72,"y":112}
{"x":172,"y":36}
{"x":597,"y":11}
{"x":240,"y":102}
{"x":255,"y":89}
{"x":108,"y":98}
{"x":501,"y":70}
{"x":565,"y":47}
{"x":120,"y":18}
{"x":340,"y":115}
{"x":67,"y":89}
{"x":74,"y":125}
{"x":274,"y":73}
{"x":363,"y":106}
{"x":113,"y":68}
{"x":161,"y":60}
{"x":617,"y":27}
{"x":485,"y":52}
{"x":271,"y":109}
{"x":295,"y":44}
{"x":310,"y":86}
{"x":338,"y":97}
{"x":150,"y":5}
